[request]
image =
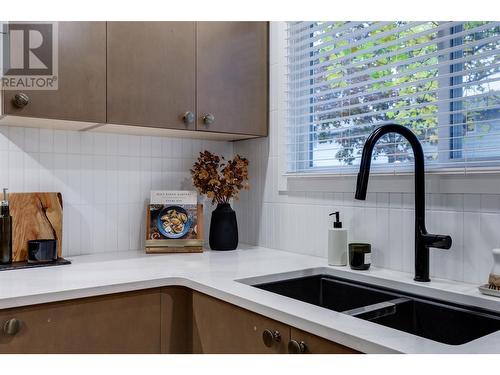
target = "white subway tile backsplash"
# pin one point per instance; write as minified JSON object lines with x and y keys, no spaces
{"x":145,"y":148}
{"x":380,"y":243}
{"x":86,"y":229}
{"x":16,"y":171}
{"x":490,"y":203}
{"x":32,"y":140}
{"x":273,"y":89}
{"x":382,"y":200}
{"x":31,"y":172}
{"x":4,"y":138}
{"x":60,"y":141}
{"x":99,"y":176}
{"x":472,"y":202}
{"x":123,"y":145}
{"x":111,"y":233}
{"x":99,"y":224}
{"x":111,"y":144}
{"x":453,"y":202}
{"x":72,"y":221}
{"x":173,"y":148}
{"x":74,"y":142}
{"x":371,"y":200}
{"x":395,"y":200}
{"x":16,"y":137}
{"x":395,"y":244}
{"x":100,"y":144}
{"x":105,"y":179}
{"x":134,"y":146}
{"x":46,"y":140}
{"x":87,"y":179}
{"x":477,"y":255}
{"x":4,"y":166}
{"x":87,"y":142}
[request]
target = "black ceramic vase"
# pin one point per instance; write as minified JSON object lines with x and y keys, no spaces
{"x":223,"y":228}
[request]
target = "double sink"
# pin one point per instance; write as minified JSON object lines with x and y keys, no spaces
{"x":436,"y":320}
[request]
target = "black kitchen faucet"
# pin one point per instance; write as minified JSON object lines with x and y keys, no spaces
{"x":423,"y":240}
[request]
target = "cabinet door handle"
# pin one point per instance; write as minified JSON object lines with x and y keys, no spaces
{"x":270,"y":337}
{"x":188,"y":117}
{"x":208,"y":119}
{"x":21,"y":100}
{"x":11,"y":326}
{"x":296,"y":347}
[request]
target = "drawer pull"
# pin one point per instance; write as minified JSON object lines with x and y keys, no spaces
{"x":208,"y":119}
{"x":21,"y":100}
{"x":11,"y":326}
{"x":296,"y":347}
{"x":188,"y":118}
{"x":270,"y":337}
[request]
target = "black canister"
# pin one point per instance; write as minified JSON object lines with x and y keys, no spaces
{"x":360,"y":256}
{"x":42,"y":251}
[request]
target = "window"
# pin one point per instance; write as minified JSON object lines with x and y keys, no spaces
{"x":441,"y":79}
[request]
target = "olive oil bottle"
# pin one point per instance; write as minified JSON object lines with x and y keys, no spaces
{"x":5,"y":230}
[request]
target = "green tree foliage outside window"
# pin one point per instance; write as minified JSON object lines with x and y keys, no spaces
{"x":373,"y":78}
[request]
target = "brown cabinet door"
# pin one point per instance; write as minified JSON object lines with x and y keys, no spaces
{"x":232,"y":77}
{"x":151,"y":73}
{"x":119,"y":323}
{"x":81,"y":93}
{"x":219,"y":327}
{"x":312,"y":344}
{"x":176,"y":307}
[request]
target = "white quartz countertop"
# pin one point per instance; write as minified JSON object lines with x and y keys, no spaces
{"x":216,"y":273}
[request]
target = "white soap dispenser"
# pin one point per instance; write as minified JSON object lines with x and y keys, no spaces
{"x":337,"y":243}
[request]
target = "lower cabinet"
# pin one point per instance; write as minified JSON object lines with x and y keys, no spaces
{"x":176,"y":317}
{"x":162,"y":320}
{"x":220,"y":328}
{"x":118,"y":323}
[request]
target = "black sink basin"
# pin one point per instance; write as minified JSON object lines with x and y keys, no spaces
{"x":440,"y":322}
{"x":435,"y":320}
{"x":328,"y":292}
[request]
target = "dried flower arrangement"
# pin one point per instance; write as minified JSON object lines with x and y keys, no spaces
{"x":218,"y":179}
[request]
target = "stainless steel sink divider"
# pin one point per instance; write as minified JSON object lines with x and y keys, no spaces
{"x":377,"y":310}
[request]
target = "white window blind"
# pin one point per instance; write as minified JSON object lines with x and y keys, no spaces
{"x":440,"y":79}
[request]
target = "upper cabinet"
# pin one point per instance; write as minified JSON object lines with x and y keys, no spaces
{"x":81,"y":95}
{"x":205,"y":79}
{"x":232,"y":77}
{"x":151,"y":74}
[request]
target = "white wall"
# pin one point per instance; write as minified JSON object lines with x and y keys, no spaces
{"x":105,"y":179}
{"x":271,"y":216}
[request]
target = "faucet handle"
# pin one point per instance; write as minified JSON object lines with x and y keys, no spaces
{"x":438,"y":241}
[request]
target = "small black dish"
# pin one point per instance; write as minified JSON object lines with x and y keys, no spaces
{"x":42,"y":251}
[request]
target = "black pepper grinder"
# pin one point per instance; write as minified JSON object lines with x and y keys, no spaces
{"x":5,"y":230}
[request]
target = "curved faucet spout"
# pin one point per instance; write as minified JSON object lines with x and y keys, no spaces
{"x":423,"y":240}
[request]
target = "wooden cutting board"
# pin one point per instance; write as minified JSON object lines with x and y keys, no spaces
{"x":35,"y":216}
